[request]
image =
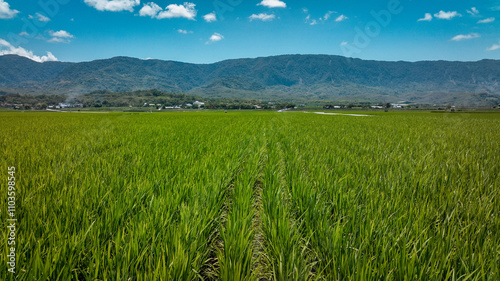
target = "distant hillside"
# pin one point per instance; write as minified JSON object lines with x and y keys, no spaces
{"x":287,"y":77}
{"x":15,"y":70}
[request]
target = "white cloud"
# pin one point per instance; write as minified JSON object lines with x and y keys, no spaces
{"x":187,"y":10}
{"x":7,"y":49}
{"x":341,"y":18}
{"x":183,"y":31}
{"x":42,"y":18}
{"x":427,"y":17}
{"x":58,"y":40}
{"x":113,"y":5}
{"x":441,"y":15}
{"x":447,"y":15}
{"x":60,"y":36}
{"x":488,"y":20}
{"x":494,"y":47}
{"x":150,"y":10}
{"x":327,"y":15}
{"x":210,"y":17}
{"x":24,"y":33}
{"x":465,"y":37}
{"x":215,"y":37}
{"x":5,"y":11}
{"x":473,"y":11}
{"x":262,"y":17}
{"x":272,"y":4}
{"x":343,"y":43}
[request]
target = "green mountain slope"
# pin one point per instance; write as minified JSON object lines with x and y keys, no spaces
{"x":287,"y":77}
{"x":15,"y":69}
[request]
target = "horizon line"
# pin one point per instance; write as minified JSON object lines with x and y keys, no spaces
{"x":249,"y":58}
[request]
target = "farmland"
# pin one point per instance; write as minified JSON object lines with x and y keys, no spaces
{"x":252,"y":196}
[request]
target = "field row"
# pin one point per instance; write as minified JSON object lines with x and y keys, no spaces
{"x":253,"y":196}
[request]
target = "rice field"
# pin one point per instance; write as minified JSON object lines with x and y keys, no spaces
{"x":252,"y":196}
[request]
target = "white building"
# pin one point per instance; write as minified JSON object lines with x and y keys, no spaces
{"x":199,"y":104}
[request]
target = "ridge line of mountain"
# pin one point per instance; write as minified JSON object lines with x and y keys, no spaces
{"x":283,"y":77}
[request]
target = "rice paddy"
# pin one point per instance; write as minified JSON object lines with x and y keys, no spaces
{"x":252,"y":196}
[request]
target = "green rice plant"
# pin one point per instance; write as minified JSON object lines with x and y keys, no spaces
{"x":236,"y":256}
{"x":252,"y":196}
{"x":371,"y":193}
{"x":285,"y":248}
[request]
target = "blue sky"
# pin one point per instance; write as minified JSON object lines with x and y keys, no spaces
{"x":209,"y":31}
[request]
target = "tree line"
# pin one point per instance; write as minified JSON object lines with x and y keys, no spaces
{"x":140,"y":98}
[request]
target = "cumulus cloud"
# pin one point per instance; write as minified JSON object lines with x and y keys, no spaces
{"x":465,"y":37}
{"x":150,"y":10}
{"x":447,"y":15}
{"x":494,"y":47}
{"x":488,"y":20}
{"x":341,"y":18}
{"x":272,"y":4}
{"x":7,"y":49}
{"x":215,"y":38}
{"x":210,"y":17}
{"x":113,"y":5}
{"x":473,"y":11}
{"x":5,"y":11}
{"x":262,"y":17}
{"x":187,"y":10}
{"x":61,"y":36}
{"x":441,"y":15}
{"x":427,"y":17}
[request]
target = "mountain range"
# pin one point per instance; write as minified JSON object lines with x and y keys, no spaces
{"x":298,"y":78}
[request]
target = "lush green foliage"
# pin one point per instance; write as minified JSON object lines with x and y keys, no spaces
{"x":291,"y":78}
{"x":253,"y":196}
{"x":16,"y":70}
{"x":31,"y":100}
{"x":140,"y":98}
{"x":134,"y":98}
